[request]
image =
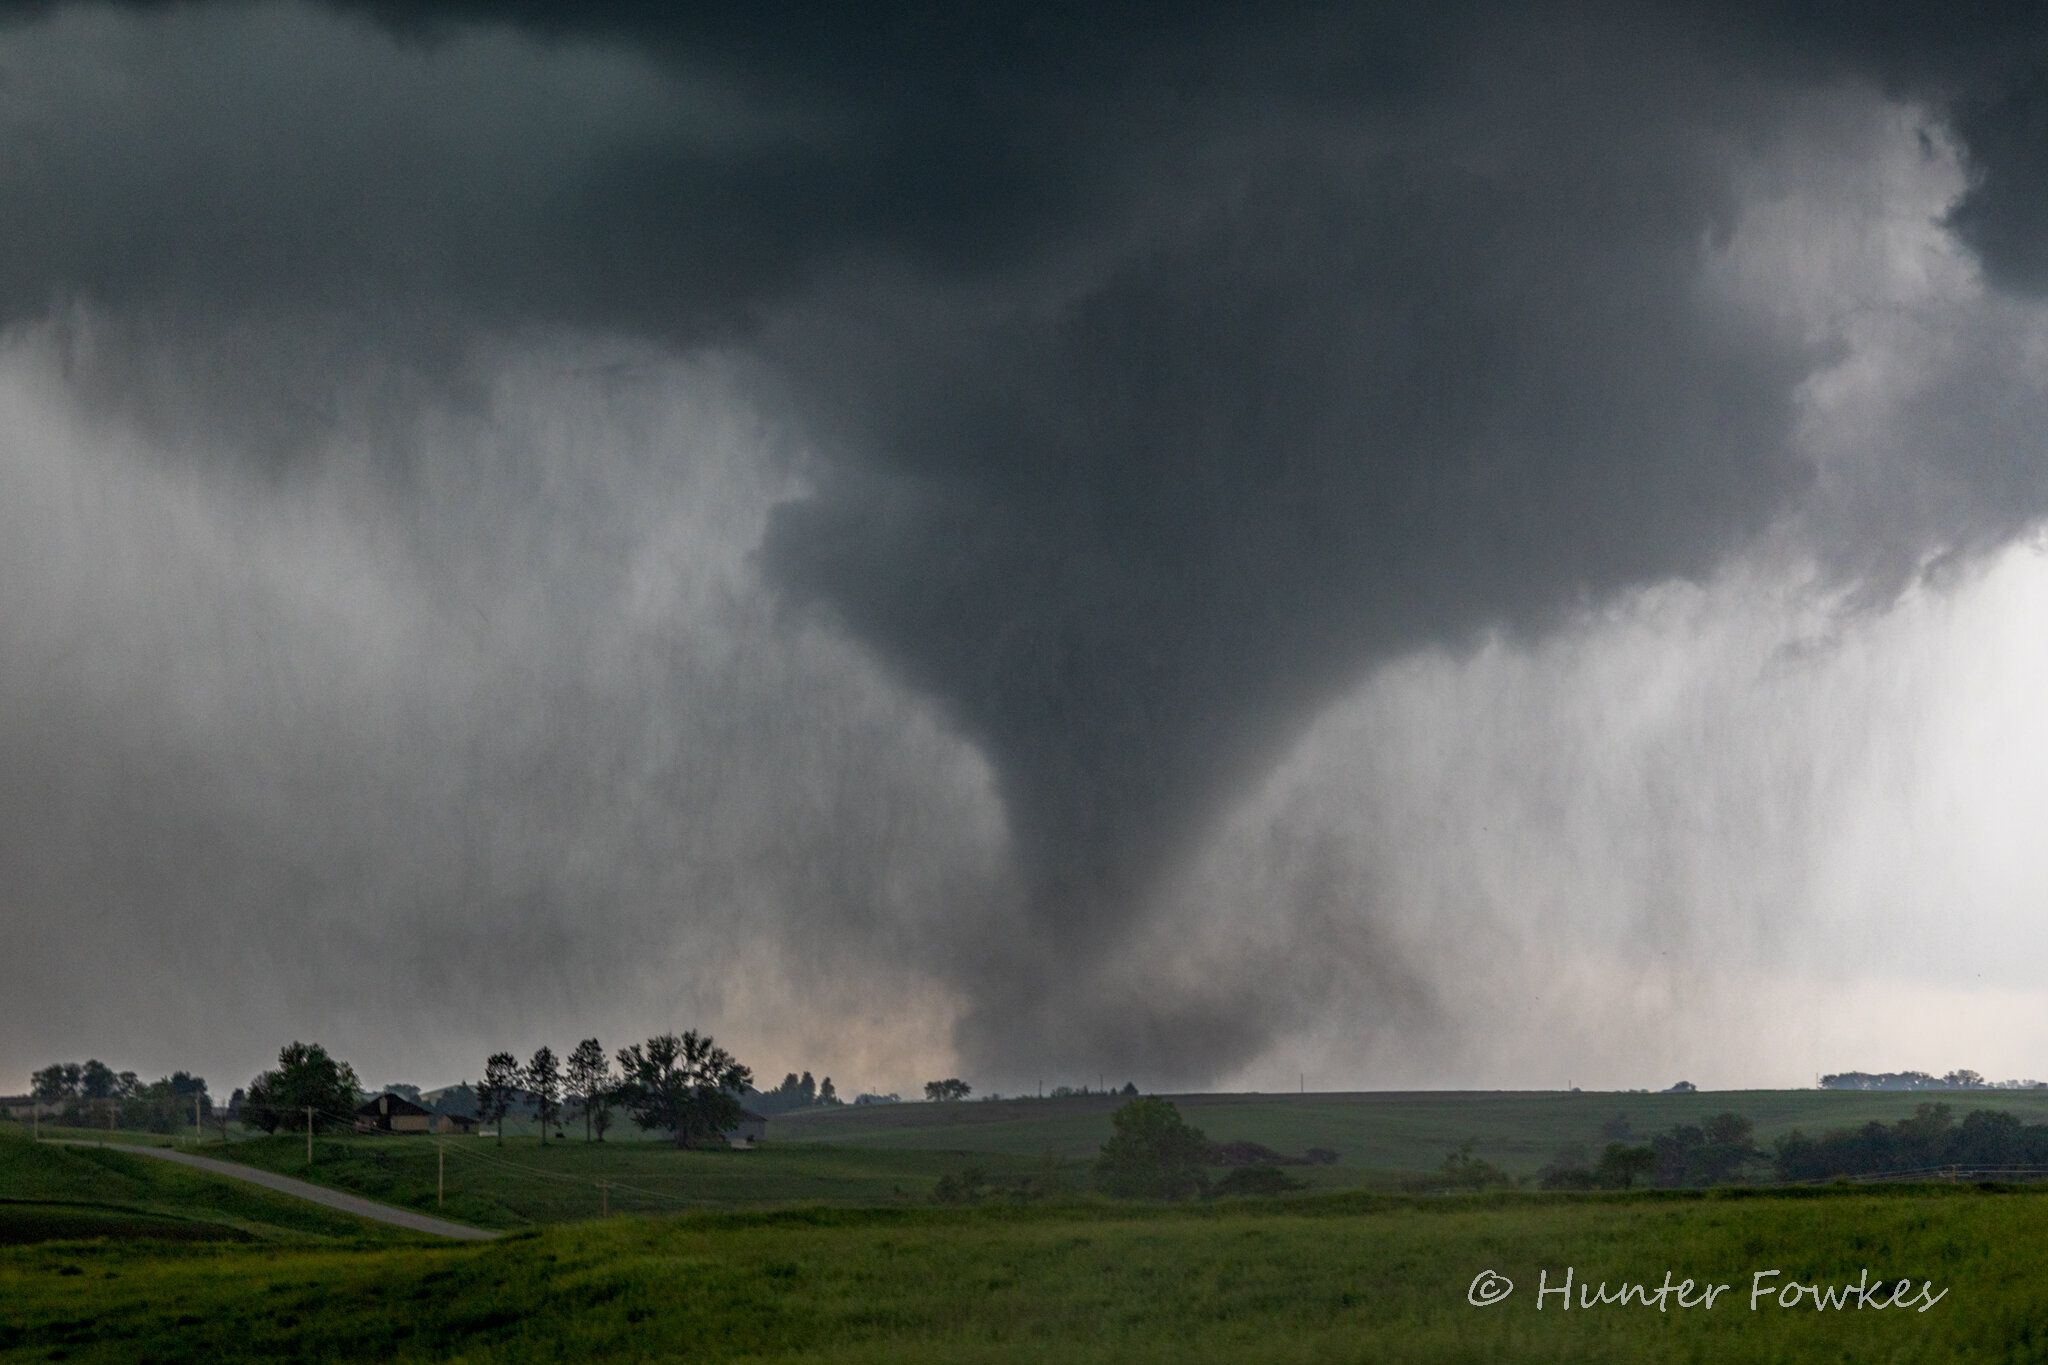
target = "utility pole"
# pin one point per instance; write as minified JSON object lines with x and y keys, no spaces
{"x":309,"y":1135}
{"x":604,"y":1199}
{"x":197,"y":1136}
{"x":440,"y":1172}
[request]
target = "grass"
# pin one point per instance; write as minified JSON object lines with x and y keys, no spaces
{"x":522,"y":1183}
{"x":1329,"y":1278}
{"x":49,"y":1191}
{"x":119,"y":1137}
{"x":1376,"y":1131}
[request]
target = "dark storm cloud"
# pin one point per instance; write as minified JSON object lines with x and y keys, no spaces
{"x":1136,"y":536}
{"x":2005,"y":215}
{"x":1165,"y":368}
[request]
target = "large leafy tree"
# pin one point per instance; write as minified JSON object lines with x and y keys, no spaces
{"x":97,"y":1081}
{"x":306,"y":1077}
{"x":544,"y":1083}
{"x":687,"y":1085}
{"x":169,"y":1105}
{"x":55,"y":1082}
{"x":589,"y":1080}
{"x":1153,"y":1153}
{"x":495,"y":1092}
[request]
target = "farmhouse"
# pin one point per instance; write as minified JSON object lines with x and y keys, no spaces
{"x":389,"y":1113}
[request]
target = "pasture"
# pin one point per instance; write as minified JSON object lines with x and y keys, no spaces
{"x":1350,"y":1277}
{"x":49,"y":1192}
{"x":1378,"y":1131}
{"x":521,"y":1182}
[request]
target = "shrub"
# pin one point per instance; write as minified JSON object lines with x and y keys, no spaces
{"x":1153,"y":1154}
{"x":1256,"y":1180}
{"x":1462,"y":1170}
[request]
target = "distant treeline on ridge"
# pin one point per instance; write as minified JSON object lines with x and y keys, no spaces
{"x":1920,"y":1080}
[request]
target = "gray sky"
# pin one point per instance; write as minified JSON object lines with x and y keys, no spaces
{"x":1435,"y":545}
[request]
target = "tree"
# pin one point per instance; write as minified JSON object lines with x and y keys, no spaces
{"x":1621,"y":1164}
{"x":1153,"y":1153}
{"x":589,"y":1079}
{"x":544,"y":1083}
{"x":688,"y":1086}
{"x":170,"y":1105}
{"x":257,"y":1111}
{"x":1256,"y":1180}
{"x":96,"y":1080}
{"x":57,"y":1081}
{"x":494,"y":1093}
{"x":953,"y":1088}
{"x":96,"y":1083}
{"x":306,"y":1078}
{"x":795,"y":1092}
{"x":231,"y":1112}
{"x":1463,"y":1170}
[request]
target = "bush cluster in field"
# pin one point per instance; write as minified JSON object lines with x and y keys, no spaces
{"x":1722,"y":1150}
{"x":1153,"y":1153}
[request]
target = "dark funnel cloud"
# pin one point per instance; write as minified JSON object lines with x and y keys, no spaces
{"x":1158,"y":371}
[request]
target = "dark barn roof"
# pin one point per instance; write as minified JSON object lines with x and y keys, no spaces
{"x":398,"y":1106}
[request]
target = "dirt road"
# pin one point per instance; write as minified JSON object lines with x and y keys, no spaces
{"x":284,"y":1184}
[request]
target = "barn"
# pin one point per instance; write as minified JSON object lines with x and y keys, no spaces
{"x":389,"y":1113}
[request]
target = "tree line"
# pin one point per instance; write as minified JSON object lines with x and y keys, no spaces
{"x":1723,"y":1150}
{"x":682,"y":1084}
{"x":1718,"y":1151}
{"x":1932,"y":1138}
{"x":1154,"y":1153}
{"x":1917,"y":1080}
{"x":796,"y":1093}
{"x":93,"y":1093}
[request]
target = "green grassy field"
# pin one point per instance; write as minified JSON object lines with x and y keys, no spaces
{"x":1330,"y":1278}
{"x":123,"y":1137}
{"x":892,"y":1155}
{"x":521,"y":1182}
{"x":48,"y":1191}
{"x":1375,"y":1131}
